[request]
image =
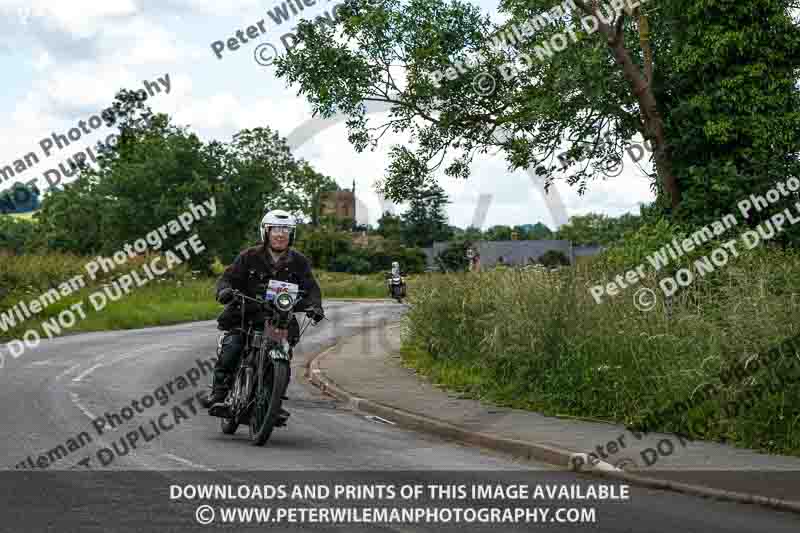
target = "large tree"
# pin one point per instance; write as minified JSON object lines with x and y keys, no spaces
{"x":538,"y":231}
{"x":425,"y":222}
{"x":157,"y":169}
{"x":622,"y":80}
{"x":499,"y":233}
{"x":390,"y":226}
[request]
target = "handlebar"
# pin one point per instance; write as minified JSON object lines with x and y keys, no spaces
{"x":260,"y":301}
{"x":239,"y":294}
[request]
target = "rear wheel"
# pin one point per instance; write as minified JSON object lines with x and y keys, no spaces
{"x":230,"y":425}
{"x":273,"y":377}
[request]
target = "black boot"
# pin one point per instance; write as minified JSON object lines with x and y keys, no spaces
{"x":221,"y":410}
{"x":218,"y":396}
{"x":283,"y":417}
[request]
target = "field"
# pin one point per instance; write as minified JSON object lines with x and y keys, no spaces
{"x":180,"y":296}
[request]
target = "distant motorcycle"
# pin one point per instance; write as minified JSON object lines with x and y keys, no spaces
{"x":397,"y":287}
{"x":261,"y":380}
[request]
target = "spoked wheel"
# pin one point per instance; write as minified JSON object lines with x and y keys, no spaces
{"x":273,"y":376}
{"x":230,"y":425}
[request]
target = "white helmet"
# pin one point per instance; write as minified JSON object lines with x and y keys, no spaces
{"x":275,"y":218}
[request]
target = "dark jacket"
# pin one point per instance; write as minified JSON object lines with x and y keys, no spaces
{"x":250,"y":273}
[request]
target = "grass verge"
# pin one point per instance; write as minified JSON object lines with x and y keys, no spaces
{"x":178,"y":297}
{"x":539,"y":341}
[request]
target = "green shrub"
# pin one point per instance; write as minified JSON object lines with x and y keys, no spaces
{"x":16,"y":234}
{"x":454,"y":257}
{"x":554,"y":258}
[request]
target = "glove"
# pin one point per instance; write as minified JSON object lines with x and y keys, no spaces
{"x":316,"y":314}
{"x":225,"y":296}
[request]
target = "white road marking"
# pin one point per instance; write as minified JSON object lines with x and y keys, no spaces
{"x":187,"y":462}
{"x":79,"y":405}
{"x":68,"y":371}
{"x":46,"y":362}
{"x":86,"y":373}
{"x":375,"y":418}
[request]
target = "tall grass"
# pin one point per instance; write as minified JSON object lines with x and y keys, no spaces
{"x":540,"y":341}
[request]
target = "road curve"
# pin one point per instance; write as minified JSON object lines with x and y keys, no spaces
{"x":54,"y":395}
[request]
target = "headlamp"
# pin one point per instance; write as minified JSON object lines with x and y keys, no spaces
{"x":284,"y":302}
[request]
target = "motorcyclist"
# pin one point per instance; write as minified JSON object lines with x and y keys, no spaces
{"x":473,"y":259}
{"x":250,"y":273}
{"x":394,"y":273}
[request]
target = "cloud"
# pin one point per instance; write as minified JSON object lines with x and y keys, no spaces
{"x":74,"y":56}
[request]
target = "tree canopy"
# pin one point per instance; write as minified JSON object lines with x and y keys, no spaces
{"x":704,"y":81}
{"x":157,"y":169}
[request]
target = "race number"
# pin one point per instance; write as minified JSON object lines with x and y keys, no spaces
{"x":275,"y":287}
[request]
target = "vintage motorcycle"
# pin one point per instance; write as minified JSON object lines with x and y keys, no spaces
{"x":260,"y":382}
{"x":397,"y":287}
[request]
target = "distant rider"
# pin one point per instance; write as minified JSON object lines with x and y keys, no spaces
{"x":394,"y":273}
{"x":250,"y":273}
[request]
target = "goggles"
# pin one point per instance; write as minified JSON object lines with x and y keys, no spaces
{"x":280,"y":230}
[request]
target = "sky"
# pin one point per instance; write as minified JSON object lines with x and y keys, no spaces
{"x":63,"y":62}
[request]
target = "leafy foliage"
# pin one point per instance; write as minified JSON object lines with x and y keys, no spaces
{"x":731,"y":88}
{"x":554,"y":258}
{"x":16,"y":233}
{"x":454,"y":257}
{"x":157,"y":169}
{"x":708,"y":82}
{"x":595,"y":228}
{"x":425,"y":222}
{"x":333,"y":250}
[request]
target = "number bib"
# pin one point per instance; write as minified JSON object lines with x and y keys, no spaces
{"x":275,"y":287}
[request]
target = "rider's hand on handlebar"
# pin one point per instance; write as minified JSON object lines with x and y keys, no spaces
{"x":225,"y":296}
{"x":316,"y":314}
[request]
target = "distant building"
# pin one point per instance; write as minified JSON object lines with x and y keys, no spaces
{"x":515,"y":253}
{"x":339,"y":204}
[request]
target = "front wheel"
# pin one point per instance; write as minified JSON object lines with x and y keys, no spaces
{"x":272,"y":381}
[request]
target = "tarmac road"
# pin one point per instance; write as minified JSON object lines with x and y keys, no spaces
{"x":55,"y":396}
